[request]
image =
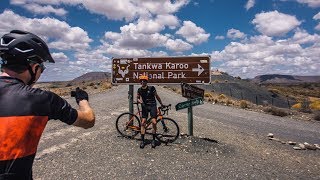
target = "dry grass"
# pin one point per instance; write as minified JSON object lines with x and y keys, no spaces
{"x":276,"y":111}
{"x":317,"y":115}
{"x":243,"y":104}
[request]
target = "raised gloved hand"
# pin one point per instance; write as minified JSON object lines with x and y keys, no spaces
{"x":79,"y":95}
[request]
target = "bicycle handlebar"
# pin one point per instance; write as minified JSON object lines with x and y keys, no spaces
{"x":165,"y":109}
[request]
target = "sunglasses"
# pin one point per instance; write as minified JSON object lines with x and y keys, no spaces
{"x":143,"y":81}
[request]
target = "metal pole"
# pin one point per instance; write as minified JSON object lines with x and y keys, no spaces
{"x":190,"y":119}
{"x":130,"y":97}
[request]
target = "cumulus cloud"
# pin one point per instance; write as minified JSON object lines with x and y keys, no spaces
{"x":310,"y":3}
{"x":219,"y":37}
{"x":37,"y":9}
{"x":264,"y":55}
{"x":59,"y":34}
{"x":249,"y":4}
{"x":317,"y":17}
{"x":59,"y":57}
{"x":178,"y":45}
{"x":275,"y":23}
{"x":235,"y":34}
{"x":192,"y":33}
{"x":303,"y":37}
{"x":114,"y":9}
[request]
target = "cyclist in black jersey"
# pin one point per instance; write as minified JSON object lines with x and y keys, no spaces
{"x":24,"y":110}
{"x":147,"y":97}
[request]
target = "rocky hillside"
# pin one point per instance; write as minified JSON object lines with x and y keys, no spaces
{"x":285,"y":79}
{"x":92,"y":76}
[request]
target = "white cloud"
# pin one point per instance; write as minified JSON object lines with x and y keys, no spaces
{"x":178,"y":45}
{"x":192,"y":33}
{"x":115,"y":9}
{"x":311,"y":3}
{"x":37,"y":9}
{"x":235,"y":34}
{"x":264,"y":55}
{"x":250,"y":4}
{"x":303,"y":37}
{"x":317,"y":16}
{"x":275,"y":23}
{"x":59,"y":57}
{"x":144,"y":34}
{"x":59,"y":34}
{"x":219,"y":37}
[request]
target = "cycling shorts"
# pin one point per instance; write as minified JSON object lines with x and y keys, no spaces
{"x":152,"y":109}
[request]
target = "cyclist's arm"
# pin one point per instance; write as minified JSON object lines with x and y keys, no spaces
{"x":86,"y":116}
{"x":139,"y":99}
{"x":158,"y":98}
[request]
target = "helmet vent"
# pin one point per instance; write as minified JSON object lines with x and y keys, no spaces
{"x":23,"y":46}
{"x":6,"y":40}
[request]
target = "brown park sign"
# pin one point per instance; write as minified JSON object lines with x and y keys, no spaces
{"x":162,"y":70}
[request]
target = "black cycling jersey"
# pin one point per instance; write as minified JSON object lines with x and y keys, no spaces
{"x":24,"y":112}
{"x":148,"y":95}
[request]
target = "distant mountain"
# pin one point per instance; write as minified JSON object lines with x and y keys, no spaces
{"x":285,"y":79}
{"x":93,"y":76}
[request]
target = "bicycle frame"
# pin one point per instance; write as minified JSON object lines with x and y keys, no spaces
{"x":149,"y":120}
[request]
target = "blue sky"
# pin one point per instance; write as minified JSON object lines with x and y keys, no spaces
{"x":244,"y":38}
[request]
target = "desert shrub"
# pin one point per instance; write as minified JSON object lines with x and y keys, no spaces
{"x":207,"y":94}
{"x":216,"y":81}
{"x":276,"y":111}
{"x":305,"y":106}
{"x":98,"y":83}
{"x":317,"y":115}
{"x":91,"y":84}
{"x":274,"y":91}
{"x":53,"y":86}
{"x":221,"y":96}
{"x":243,"y":104}
{"x":68,"y":85}
{"x":315,"y":105}
{"x":226,"y":81}
{"x":228,"y":102}
{"x":95,"y":87}
{"x":296,"y":106}
{"x":106,"y":86}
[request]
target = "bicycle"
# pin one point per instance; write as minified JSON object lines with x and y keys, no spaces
{"x":129,"y":125}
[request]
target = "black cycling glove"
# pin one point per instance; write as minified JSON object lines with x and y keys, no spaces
{"x":80,"y":94}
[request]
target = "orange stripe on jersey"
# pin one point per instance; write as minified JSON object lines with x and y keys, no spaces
{"x":20,"y":135}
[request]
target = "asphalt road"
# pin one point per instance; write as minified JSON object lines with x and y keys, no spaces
{"x":228,"y":143}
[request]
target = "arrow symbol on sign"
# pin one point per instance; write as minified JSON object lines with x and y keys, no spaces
{"x":199,"y":69}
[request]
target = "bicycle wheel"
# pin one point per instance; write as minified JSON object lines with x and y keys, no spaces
{"x":128,"y":125}
{"x":167,"y":130}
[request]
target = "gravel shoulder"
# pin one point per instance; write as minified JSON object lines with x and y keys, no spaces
{"x":228,"y":143}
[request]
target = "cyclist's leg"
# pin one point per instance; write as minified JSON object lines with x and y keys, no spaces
{"x":153,"y":114}
{"x":143,"y":125}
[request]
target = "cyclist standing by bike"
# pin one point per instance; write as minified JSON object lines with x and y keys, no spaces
{"x":147,"y":95}
{"x":25,"y":110}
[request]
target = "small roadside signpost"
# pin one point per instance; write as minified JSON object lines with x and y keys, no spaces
{"x":192,"y":102}
{"x":195,"y":97}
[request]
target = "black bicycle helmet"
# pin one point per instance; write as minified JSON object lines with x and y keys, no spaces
{"x":21,"y":47}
